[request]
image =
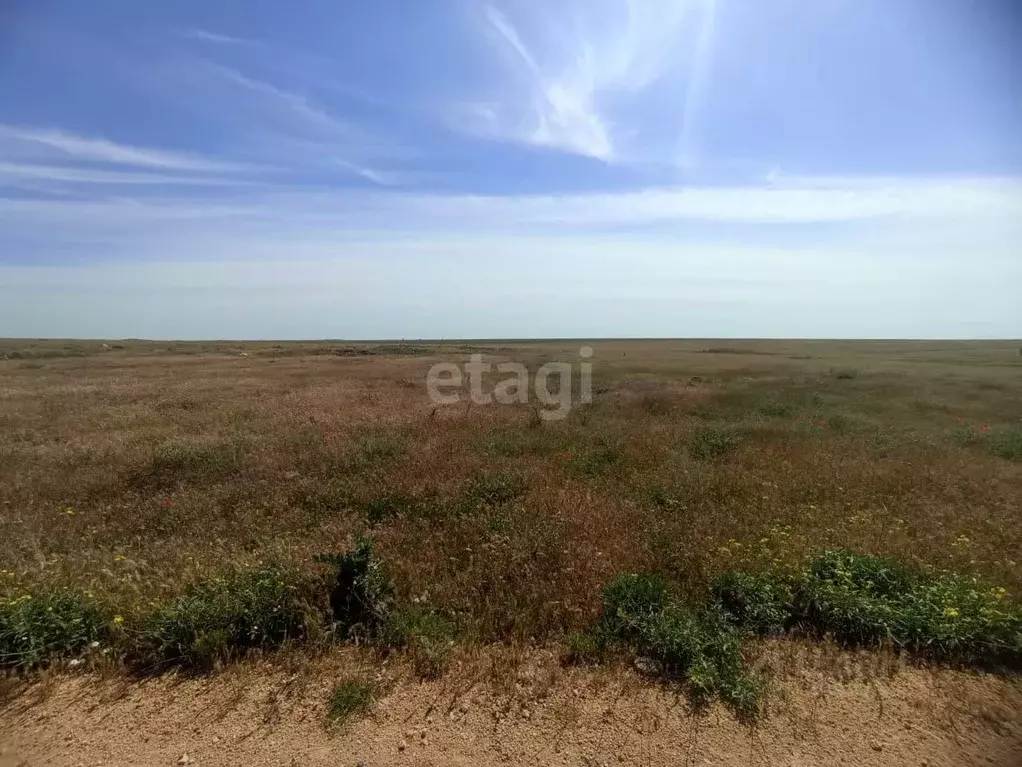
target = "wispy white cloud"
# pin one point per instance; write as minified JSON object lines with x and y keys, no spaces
{"x":305,"y":132}
{"x":217,"y":38}
{"x":16,"y":140}
{"x":16,"y":173}
{"x":972,"y":202}
{"x":576,"y":72}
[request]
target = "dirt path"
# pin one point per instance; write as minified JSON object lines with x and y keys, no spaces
{"x":538,"y":714}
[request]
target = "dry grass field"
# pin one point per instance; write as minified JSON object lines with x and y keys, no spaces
{"x":132,"y":471}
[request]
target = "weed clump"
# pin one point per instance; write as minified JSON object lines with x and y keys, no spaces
{"x":258,"y":607}
{"x":492,"y":490}
{"x":1007,"y":443}
{"x":427,"y":636}
{"x":714,"y":442}
{"x":691,"y":644}
{"x":596,"y":459}
{"x":761,"y":603}
{"x":348,"y":699}
{"x":38,"y":629}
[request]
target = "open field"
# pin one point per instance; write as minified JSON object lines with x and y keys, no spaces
{"x":132,"y":471}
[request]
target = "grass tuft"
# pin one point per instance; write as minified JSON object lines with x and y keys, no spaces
{"x":596,"y":459}
{"x":714,"y":442}
{"x":428,"y":638}
{"x":349,"y":699}
{"x":493,"y":490}
{"x":36,"y":630}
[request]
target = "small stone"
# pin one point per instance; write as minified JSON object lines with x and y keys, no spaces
{"x":185,"y":759}
{"x":876,"y":746}
{"x":402,"y":746}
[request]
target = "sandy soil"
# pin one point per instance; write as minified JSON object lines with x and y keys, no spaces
{"x":531,"y":712}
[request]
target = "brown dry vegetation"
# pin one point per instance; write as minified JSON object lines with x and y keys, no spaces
{"x":134,"y":469}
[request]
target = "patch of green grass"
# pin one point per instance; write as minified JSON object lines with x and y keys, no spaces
{"x":585,"y":648}
{"x":661,"y":497}
{"x":492,"y":489}
{"x":427,"y":636}
{"x":775,"y":409}
{"x":1006,"y":443}
{"x":349,"y":699}
{"x":37,"y":629}
{"x":174,"y":462}
{"x":394,"y":506}
{"x":374,"y":450}
{"x":760,"y":602}
{"x":714,"y":442}
{"x":257,"y":607}
{"x":594,"y":460}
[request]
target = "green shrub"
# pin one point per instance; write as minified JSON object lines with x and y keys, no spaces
{"x":866,"y":600}
{"x":762,"y":603}
{"x":661,"y":497}
{"x":1007,"y":443}
{"x":630,"y":599}
{"x":38,"y":629}
{"x":694,"y":645}
{"x":361,"y":595}
{"x":586,"y":648}
{"x":348,"y":699}
{"x":773,"y":409}
{"x":714,"y":442}
{"x":258,"y":607}
{"x":846,"y":374}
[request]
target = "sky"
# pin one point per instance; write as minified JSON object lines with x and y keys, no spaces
{"x":252,"y":169}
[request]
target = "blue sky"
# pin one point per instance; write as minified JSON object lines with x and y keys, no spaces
{"x":458,"y":168}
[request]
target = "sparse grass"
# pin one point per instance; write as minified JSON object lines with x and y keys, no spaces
{"x":714,"y":442}
{"x":1007,"y":443}
{"x":138,"y":473}
{"x":492,"y":489}
{"x":595,"y":460}
{"x":171,"y":463}
{"x":427,"y":637}
{"x":349,"y":699}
